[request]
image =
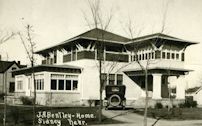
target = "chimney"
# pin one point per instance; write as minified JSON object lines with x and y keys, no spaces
{"x":18,"y":62}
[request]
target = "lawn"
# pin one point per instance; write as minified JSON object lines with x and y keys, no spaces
{"x":52,"y":116}
{"x":174,"y":114}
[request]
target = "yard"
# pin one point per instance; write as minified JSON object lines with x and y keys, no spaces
{"x":52,"y":116}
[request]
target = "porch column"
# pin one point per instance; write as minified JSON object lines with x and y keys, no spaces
{"x":156,"y":86}
{"x":180,"y":88}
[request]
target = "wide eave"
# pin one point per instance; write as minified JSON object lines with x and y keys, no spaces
{"x":48,"y":68}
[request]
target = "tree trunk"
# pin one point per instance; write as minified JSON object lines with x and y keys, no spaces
{"x":146,"y":98}
{"x":100,"y":74}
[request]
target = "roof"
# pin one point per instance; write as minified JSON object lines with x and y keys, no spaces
{"x":94,"y":34}
{"x":97,"y":33}
{"x":49,"y":68}
{"x":161,"y":70}
{"x":5,"y":65}
{"x":159,"y":35}
{"x":194,"y":90}
{"x":103,"y":35}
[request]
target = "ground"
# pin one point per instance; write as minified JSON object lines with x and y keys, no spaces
{"x":22,"y":115}
{"x":129,"y":118}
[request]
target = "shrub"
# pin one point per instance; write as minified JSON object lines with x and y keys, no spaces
{"x":2,"y":96}
{"x":188,"y":104}
{"x":158,"y":105}
{"x":26,"y":100}
{"x":181,"y":105}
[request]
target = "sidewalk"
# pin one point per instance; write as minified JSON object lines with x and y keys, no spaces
{"x":131,"y":119}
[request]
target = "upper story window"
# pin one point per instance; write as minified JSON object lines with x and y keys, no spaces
{"x":182,"y":56}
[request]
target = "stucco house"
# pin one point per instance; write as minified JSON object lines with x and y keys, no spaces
{"x":7,"y":79}
{"x":69,"y":72}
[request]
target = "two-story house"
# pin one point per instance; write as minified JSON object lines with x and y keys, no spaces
{"x":7,"y":79}
{"x":69,"y":73}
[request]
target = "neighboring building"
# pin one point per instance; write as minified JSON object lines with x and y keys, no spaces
{"x":69,"y":74}
{"x":7,"y":79}
{"x":196,"y":92}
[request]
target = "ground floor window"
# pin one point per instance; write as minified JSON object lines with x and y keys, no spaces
{"x":39,"y":84}
{"x":112,"y":79}
{"x":64,"y":82}
{"x":12,"y":87}
{"x":19,"y":85}
{"x":53,"y":84}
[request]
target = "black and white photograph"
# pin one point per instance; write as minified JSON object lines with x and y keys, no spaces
{"x":100,"y":63}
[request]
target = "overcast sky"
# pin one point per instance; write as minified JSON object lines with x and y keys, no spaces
{"x":54,"y":21}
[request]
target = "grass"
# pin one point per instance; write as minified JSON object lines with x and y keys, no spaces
{"x":22,"y":115}
{"x":174,"y":114}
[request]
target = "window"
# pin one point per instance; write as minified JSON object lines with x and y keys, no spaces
{"x":177,"y":56}
{"x":111,"y":79}
{"x":75,"y":84}
{"x":149,"y":55}
{"x":53,"y":84}
{"x":39,"y":84}
{"x":119,"y":79}
{"x":61,"y":85}
{"x":173,"y":55}
{"x":168,"y":55}
{"x":182,"y":56}
{"x":12,"y":87}
{"x":146,"y":56}
{"x":64,"y":82}
{"x":163,"y":55}
{"x":142,"y":56}
{"x":68,"y":85}
{"x":152,"y":55}
{"x":19,"y":85}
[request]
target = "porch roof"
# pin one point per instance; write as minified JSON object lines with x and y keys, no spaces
{"x":48,"y":68}
{"x":158,"y":70}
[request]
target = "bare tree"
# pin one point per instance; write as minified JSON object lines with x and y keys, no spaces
{"x":29,"y":45}
{"x":4,"y":38}
{"x":98,"y":21}
{"x":133,"y":31}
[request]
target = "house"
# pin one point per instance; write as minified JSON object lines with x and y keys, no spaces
{"x":69,"y":73}
{"x":7,"y":79}
{"x":196,"y":93}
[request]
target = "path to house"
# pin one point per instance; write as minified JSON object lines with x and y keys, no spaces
{"x":132,"y":119}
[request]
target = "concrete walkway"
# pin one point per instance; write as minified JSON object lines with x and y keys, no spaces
{"x":127,"y":118}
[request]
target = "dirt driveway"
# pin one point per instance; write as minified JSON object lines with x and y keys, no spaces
{"x":127,"y":118}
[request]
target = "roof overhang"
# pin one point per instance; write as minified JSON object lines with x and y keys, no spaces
{"x":70,"y":41}
{"x":48,"y":68}
{"x":158,"y":70}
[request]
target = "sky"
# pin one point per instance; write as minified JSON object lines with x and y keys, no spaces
{"x":54,"y":21}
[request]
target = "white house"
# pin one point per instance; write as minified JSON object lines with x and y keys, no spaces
{"x":69,"y":74}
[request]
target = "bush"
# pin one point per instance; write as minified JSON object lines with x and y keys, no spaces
{"x":158,"y":105}
{"x":2,"y":96}
{"x":26,"y":100}
{"x":188,"y":104}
